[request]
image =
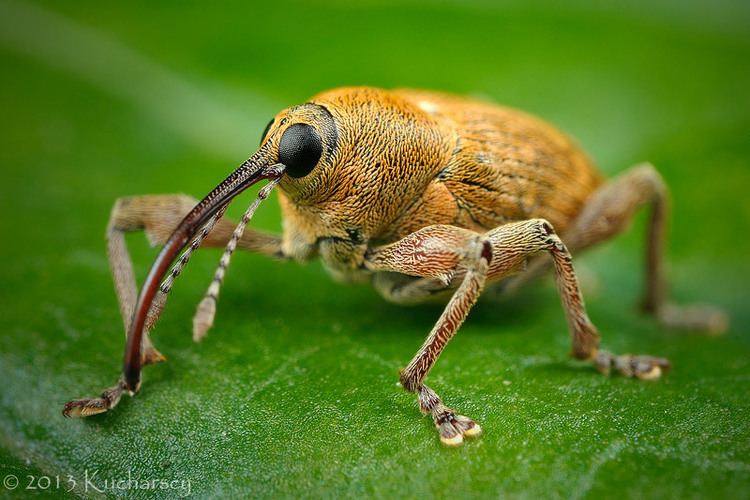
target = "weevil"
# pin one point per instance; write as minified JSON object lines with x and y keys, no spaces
{"x":426,"y":196}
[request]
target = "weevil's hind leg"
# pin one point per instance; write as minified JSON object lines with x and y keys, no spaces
{"x":157,"y":216}
{"x":610,"y":211}
{"x":468,"y":252}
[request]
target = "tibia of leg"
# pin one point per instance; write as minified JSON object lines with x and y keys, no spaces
{"x":87,"y":407}
{"x":694,"y":317}
{"x":629,"y":365}
{"x":585,"y":338}
{"x":451,"y":426}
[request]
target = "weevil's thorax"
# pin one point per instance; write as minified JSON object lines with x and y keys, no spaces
{"x":386,"y":152}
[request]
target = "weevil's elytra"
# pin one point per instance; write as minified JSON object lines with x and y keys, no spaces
{"x":424,"y":195}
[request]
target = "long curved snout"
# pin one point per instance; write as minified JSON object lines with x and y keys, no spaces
{"x":250,"y":172}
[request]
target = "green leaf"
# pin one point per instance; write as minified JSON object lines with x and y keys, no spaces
{"x":294,"y":392}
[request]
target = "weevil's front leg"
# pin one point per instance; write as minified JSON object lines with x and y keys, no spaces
{"x":157,"y":216}
{"x":438,"y":252}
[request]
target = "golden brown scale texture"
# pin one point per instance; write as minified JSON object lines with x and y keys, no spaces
{"x":505,"y":166}
{"x":409,"y":159}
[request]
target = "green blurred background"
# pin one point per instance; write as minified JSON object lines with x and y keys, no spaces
{"x":294,"y":391}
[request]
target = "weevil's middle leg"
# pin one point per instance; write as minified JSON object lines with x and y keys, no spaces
{"x":515,"y":242}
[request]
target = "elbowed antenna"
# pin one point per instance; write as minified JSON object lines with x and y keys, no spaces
{"x":204,"y":316}
{"x":255,"y":169}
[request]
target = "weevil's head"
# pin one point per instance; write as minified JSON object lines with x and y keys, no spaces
{"x":354,"y":159}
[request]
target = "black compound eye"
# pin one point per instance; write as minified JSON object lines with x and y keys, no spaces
{"x":300,"y":149}
{"x":265,"y":131}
